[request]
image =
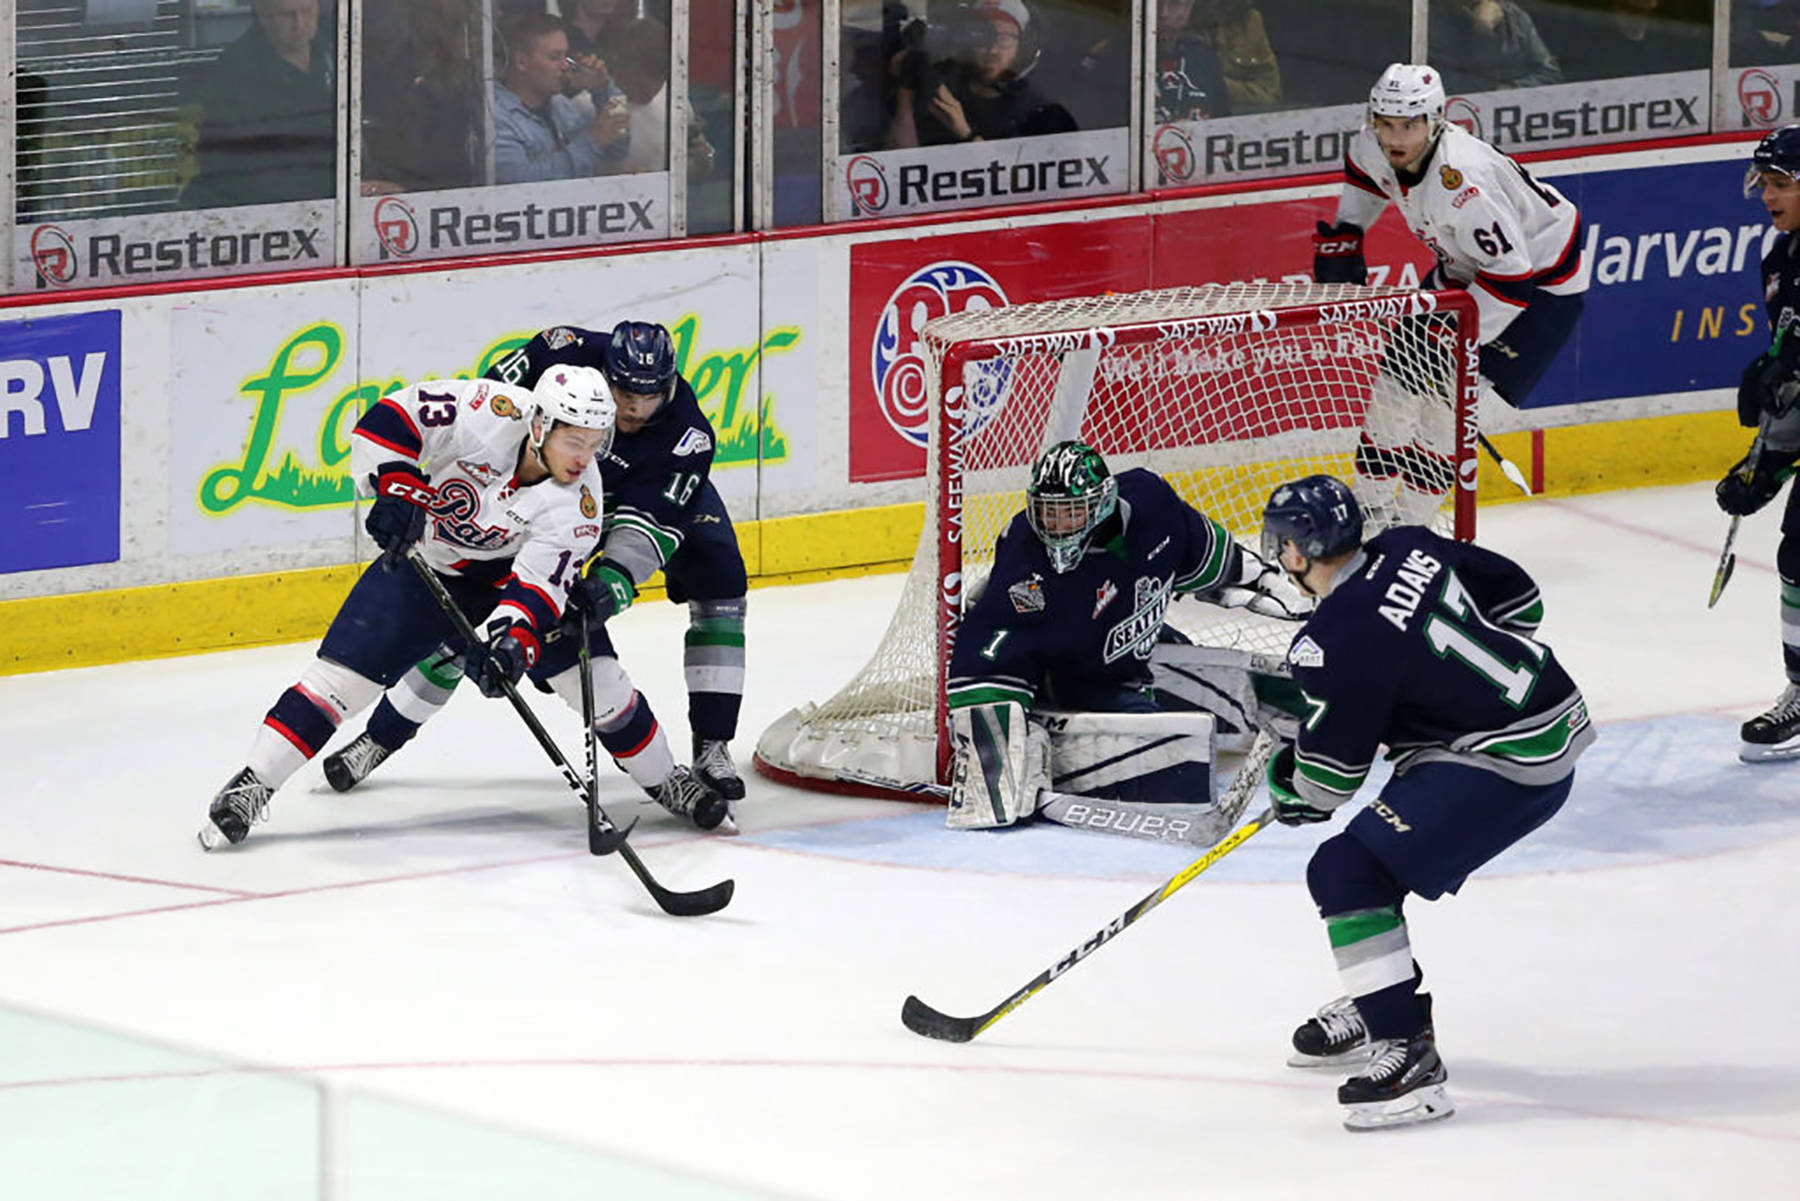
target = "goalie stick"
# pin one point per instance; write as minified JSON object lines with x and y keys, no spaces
{"x":603,"y":836}
{"x":921,"y":1018}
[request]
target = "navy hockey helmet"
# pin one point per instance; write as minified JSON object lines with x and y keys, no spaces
{"x":1071,"y":492}
{"x":1317,"y":514}
{"x":1777,"y":154}
{"x":640,"y":364}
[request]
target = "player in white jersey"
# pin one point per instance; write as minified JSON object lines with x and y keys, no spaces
{"x":1514,"y":243}
{"x":499,"y":489}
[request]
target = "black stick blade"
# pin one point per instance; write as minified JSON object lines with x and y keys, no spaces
{"x":921,"y":1018}
{"x":698,"y":903}
{"x":1721,"y":578}
{"x":611,"y":838}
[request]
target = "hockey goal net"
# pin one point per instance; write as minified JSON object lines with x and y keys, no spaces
{"x":1226,"y":391}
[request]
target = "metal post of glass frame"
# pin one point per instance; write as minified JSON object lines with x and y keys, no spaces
{"x":1143,"y":99}
{"x":762,"y":114}
{"x":1722,"y":92}
{"x":350,"y":100}
{"x":9,"y":145}
{"x":678,"y":118}
{"x":740,"y":20}
{"x":485,"y":78}
{"x":831,"y":36}
{"x":1420,"y":45}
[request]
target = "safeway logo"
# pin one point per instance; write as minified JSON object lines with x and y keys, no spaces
{"x":1760,"y":98}
{"x":868,"y":185}
{"x":396,"y":226}
{"x":897,"y":360}
{"x":53,"y":254}
{"x":1458,"y":111}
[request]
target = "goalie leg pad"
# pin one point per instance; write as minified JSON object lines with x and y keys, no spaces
{"x":1242,"y":691}
{"x":1002,"y":762}
{"x":1190,"y":825}
{"x":1153,"y":758}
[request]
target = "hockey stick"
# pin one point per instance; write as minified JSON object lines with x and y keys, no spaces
{"x":921,"y":1018}
{"x":597,"y":837}
{"x":601,"y":830}
{"x":1508,"y":468}
{"x":1728,"y":560}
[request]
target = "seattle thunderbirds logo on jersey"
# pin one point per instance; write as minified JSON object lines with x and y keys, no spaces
{"x":897,"y":360}
{"x":1136,"y":635}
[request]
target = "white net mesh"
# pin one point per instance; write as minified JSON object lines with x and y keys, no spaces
{"x":1226,"y":391}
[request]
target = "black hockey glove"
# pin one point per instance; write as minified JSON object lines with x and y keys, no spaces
{"x":1753,"y":482}
{"x":396,"y":520}
{"x":505,"y":657}
{"x":1768,"y":385}
{"x":604,"y":590}
{"x":1338,"y":254}
{"x":1290,"y":808}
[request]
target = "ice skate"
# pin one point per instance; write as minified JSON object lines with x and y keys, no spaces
{"x":1402,"y":1086}
{"x":346,"y":768}
{"x":712,"y":763}
{"x":685,"y":795}
{"x":1773,"y":735}
{"x":242,"y":803}
{"x":1334,"y":1037}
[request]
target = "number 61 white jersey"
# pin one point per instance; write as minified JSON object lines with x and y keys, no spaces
{"x":1495,"y":230}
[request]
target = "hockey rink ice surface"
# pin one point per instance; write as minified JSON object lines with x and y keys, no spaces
{"x":429,"y":984}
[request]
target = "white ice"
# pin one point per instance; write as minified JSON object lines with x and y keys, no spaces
{"x":1616,"y":998}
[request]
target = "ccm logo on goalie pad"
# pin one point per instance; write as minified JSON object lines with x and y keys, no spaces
{"x":1087,"y":817}
{"x":1336,"y":247}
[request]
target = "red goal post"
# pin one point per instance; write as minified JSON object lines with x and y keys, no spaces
{"x":1225,"y":390}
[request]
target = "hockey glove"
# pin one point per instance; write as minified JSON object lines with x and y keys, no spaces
{"x":396,"y":520}
{"x":1752,"y":483}
{"x":1768,"y":385}
{"x":1264,"y":588}
{"x":604,"y":590}
{"x":1338,"y":254}
{"x":1291,"y":809}
{"x":508,"y":653}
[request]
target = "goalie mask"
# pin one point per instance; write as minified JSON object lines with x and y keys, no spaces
{"x":1070,"y":494}
{"x":1777,"y":154}
{"x":1317,"y":514}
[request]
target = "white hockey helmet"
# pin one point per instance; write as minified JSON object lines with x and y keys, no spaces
{"x":1409,"y":90}
{"x":578,"y":396}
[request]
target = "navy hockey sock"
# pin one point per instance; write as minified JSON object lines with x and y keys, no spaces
{"x":1361,"y":903}
{"x":305,"y":721}
{"x":388,"y":728}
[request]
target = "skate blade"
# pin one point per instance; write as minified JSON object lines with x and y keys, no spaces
{"x":212,"y":838}
{"x":1356,"y":1057}
{"x":1428,"y":1104}
{"x":728,"y":826}
{"x":1768,"y":752}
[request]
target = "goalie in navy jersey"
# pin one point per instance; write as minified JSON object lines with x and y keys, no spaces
{"x":1512,"y":241}
{"x":662,"y":513}
{"x":496,"y":488}
{"x":1069,"y":629}
{"x":1769,"y":401}
{"x":1428,"y":647}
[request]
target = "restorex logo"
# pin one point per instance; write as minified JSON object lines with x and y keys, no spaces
{"x":897,"y":360}
{"x":101,"y":255}
{"x":453,"y":226}
{"x":868,"y":184}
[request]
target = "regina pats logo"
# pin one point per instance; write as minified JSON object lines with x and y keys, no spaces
{"x":396,"y":226}
{"x":1458,"y":111}
{"x":1174,"y":153}
{"x":897,"y":361}
{"x":868,"y":185}
{"x":53,"y":254}
{"x":1760,"y":98}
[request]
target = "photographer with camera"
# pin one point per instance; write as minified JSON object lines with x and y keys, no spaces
{"x":961,"y":77}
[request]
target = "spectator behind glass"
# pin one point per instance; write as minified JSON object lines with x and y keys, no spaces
{"x":962,"y":79}
{"x":1480,"y":45}
{"x":1234,"y":29}
{"x":1190,"y":82}
{"x":1765,"y":33}
{"x":539,"y":133}
{"x":1628,"y":37}
{"x":419,"y":97}
{"x":641,"y":52}
{"x":268,"y":133}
